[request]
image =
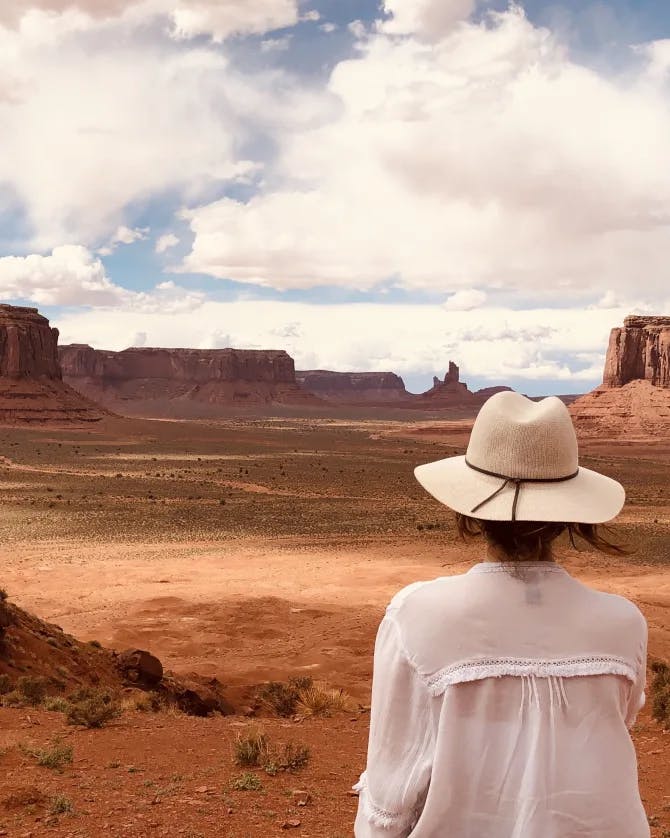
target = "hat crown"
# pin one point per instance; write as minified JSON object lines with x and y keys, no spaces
{"x":517,"y":437}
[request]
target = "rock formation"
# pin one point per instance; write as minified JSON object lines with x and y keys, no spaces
{"x":640,"y":350}
{"x":450,"y":391}
{"x":354,"y":387}
{"x":634,"y":398}
{"x":31,"y":385}
{"x":184,"y":383}
{"x":386,"y":389}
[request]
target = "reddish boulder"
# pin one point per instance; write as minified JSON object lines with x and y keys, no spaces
{"x":139,"y":667}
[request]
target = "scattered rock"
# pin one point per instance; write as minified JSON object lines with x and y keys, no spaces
{"x":301,"y":797}
{"x":140,"y":667}
{"x":195,"y":695}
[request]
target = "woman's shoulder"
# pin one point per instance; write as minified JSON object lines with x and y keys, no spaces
{"x":422,"y":588}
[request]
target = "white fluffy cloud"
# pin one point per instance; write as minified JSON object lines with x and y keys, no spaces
{"x":489,"y":158}
{"x":188,"y":18}
{"x":72,"y":276}
{"x":466,"y":300}
{"x":496,"y":345}
{"x":221,"y":19}
{"x":429,"y":19}
{"x":102,"y":115}
{"x":165,"y":242}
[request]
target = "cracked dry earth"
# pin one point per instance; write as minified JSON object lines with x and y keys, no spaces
{"x":253,"y":550}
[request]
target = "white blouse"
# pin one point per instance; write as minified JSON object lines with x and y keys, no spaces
{"x":501,"y":702}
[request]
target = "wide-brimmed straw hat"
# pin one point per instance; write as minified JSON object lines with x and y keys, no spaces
{"x":522,"y":465}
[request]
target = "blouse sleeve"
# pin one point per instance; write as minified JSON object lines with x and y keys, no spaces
{"x":393,"y":787}
{"x":637,"y":695}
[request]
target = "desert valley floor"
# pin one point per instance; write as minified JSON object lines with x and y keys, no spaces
{"x":254,"y":550}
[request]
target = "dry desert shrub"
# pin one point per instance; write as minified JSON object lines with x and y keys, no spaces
{"x":56,"y":704}
{"x":660,"y":693}
{"x":5,"y":684}
{"x":149,"y":702}
{"x":247,"y":782}
{"x":253,"y":750}
{"x":319,"y":700}
{"x":290,"y":758}
{"x":29,"y":691}
{"x":92,"y":708}
{"x":54,"y":756}
{"x":61,"y":805}
{"x":281,"y":698}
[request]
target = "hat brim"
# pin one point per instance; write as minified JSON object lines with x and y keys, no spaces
{"x":588,"y":498}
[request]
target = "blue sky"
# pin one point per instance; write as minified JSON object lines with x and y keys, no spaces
{"x":392,"y":185}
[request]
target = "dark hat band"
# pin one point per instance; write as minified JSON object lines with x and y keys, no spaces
{"x":517,"y":485}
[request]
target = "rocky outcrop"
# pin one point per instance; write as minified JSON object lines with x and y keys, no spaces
{"x":31,"y":385}
{"x":634,"y":398}
{"x":448,"y":391}
{"x":388,"y":389}
{"x":640,"y":350}
{"x":637,"y":411}
{"x":354,"y":387}
{"x":182,"y":383}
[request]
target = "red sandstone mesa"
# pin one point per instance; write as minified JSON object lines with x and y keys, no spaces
{"x":388,"y":389}
{"x":184,"y":383}
{"x":354,"y":387}
{"x":634,"y":398}
{"x":31,"y":385}
{"x":640,"y":350}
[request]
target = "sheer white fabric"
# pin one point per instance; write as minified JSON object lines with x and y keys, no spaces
{"x":501,"y":702}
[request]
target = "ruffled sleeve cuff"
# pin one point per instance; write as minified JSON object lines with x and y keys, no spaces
{"x":372,"y":820}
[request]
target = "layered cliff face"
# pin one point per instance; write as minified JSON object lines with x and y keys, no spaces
{"x":640,"y":350}
{"x":634,"y":398}
{"x":31,"y":385}
{"x":181,"y":383}
{"x":354,"y":387}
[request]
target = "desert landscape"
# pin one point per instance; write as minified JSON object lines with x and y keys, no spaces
{"x":243,"y":551}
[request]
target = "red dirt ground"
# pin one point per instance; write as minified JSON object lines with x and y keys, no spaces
{"x":120,"y":535}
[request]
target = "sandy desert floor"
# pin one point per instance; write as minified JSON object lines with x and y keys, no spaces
{"x":255,"y":550}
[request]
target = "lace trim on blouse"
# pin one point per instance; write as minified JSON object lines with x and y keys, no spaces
{"x":516,"y":567}
{"x":378,"y":816}
{"x":475,"y":670}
